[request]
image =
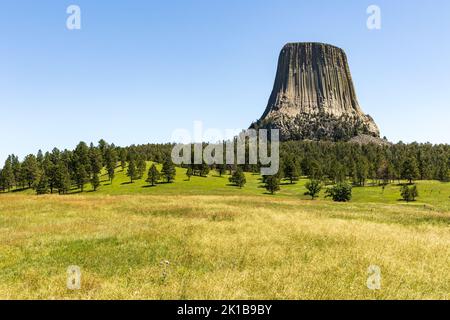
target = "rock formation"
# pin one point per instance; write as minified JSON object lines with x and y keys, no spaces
{"x":313,"y":96}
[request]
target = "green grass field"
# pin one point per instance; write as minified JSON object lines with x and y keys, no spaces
{"x":223,"y":242}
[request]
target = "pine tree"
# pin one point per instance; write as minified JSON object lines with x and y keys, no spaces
{"x":41,"y":186}
{"x":409,"y":193}
{"x":110,"y":162}
{"x":362,"y":170}
{"x":111,"y":173}
{"x":238,"y":178}
{"x":95,"y":181}
{"x":17,"y":171}
{"x":316,"y":170}
{"x":313,"y":187}
{"x":82,"y":165}
{"x":7,"y":175}
{"x":96,"y":160}
{"x":131,"y":172}
{"x":2,"y":188}
{"x":272,"y":184}
{"x":40,"y":157}
{"x":385,"y":172}
{"x":63,"y":181}
{"x":424,"y":163}
{"x":30,"y":170}
{"x":81,"y":176}
{"x":49,"y":167}
{"x":291,"y":170}
{"x":221,"y":168}
{"x":442,"y":171}
{"x":189,"y":173}
{"x":168,"y":170}
{"x":81,"y":157}
{"x":153,"y":175}
{"x":102,"y":147}
{"x":204,"y":169}
{"x":337,"y":172}
{"x":410,"y":170}
{"x":140,"y":168}
{"x":123,"y":158}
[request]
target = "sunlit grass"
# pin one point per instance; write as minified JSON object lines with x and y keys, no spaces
{"x":238,"y":245}
{"x":224,"y":242}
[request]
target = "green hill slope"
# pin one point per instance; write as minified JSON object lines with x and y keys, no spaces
{"x":433,"y":195}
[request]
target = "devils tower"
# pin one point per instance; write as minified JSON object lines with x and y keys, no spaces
{"x":313,"y":96}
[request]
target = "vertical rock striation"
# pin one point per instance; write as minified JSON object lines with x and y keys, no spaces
{"x":313,"y":96}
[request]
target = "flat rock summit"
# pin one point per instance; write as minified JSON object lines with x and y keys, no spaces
{"x":314,"y":98}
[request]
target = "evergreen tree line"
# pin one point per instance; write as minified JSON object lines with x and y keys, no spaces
{"x":63,"y":171}
{"x":342,"y":161}
{"x":338,"y":162}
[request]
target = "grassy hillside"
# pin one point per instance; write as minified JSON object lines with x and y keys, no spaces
{"x":434,"y":195}
{"x":223,"y":242}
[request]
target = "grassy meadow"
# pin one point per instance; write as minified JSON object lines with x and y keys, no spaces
{"x":222,"y":242}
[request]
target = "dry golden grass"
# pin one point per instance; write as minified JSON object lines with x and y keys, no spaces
{"x":220,"y":247}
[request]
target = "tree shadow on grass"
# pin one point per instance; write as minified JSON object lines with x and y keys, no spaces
{"x":127,"y":182}
{"x":404,"y":201}
{"x":401,"y":184}
{"x":368,"y":186}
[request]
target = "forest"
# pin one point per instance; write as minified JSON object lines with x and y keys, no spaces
{"x":60,"y":171}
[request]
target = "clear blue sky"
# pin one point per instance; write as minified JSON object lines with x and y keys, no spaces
{"x":137,"y":70}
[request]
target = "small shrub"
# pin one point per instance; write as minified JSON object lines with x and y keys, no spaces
{"x":409,"y":193}
{"x":341,"y":192}
{"x":313,"y":187}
